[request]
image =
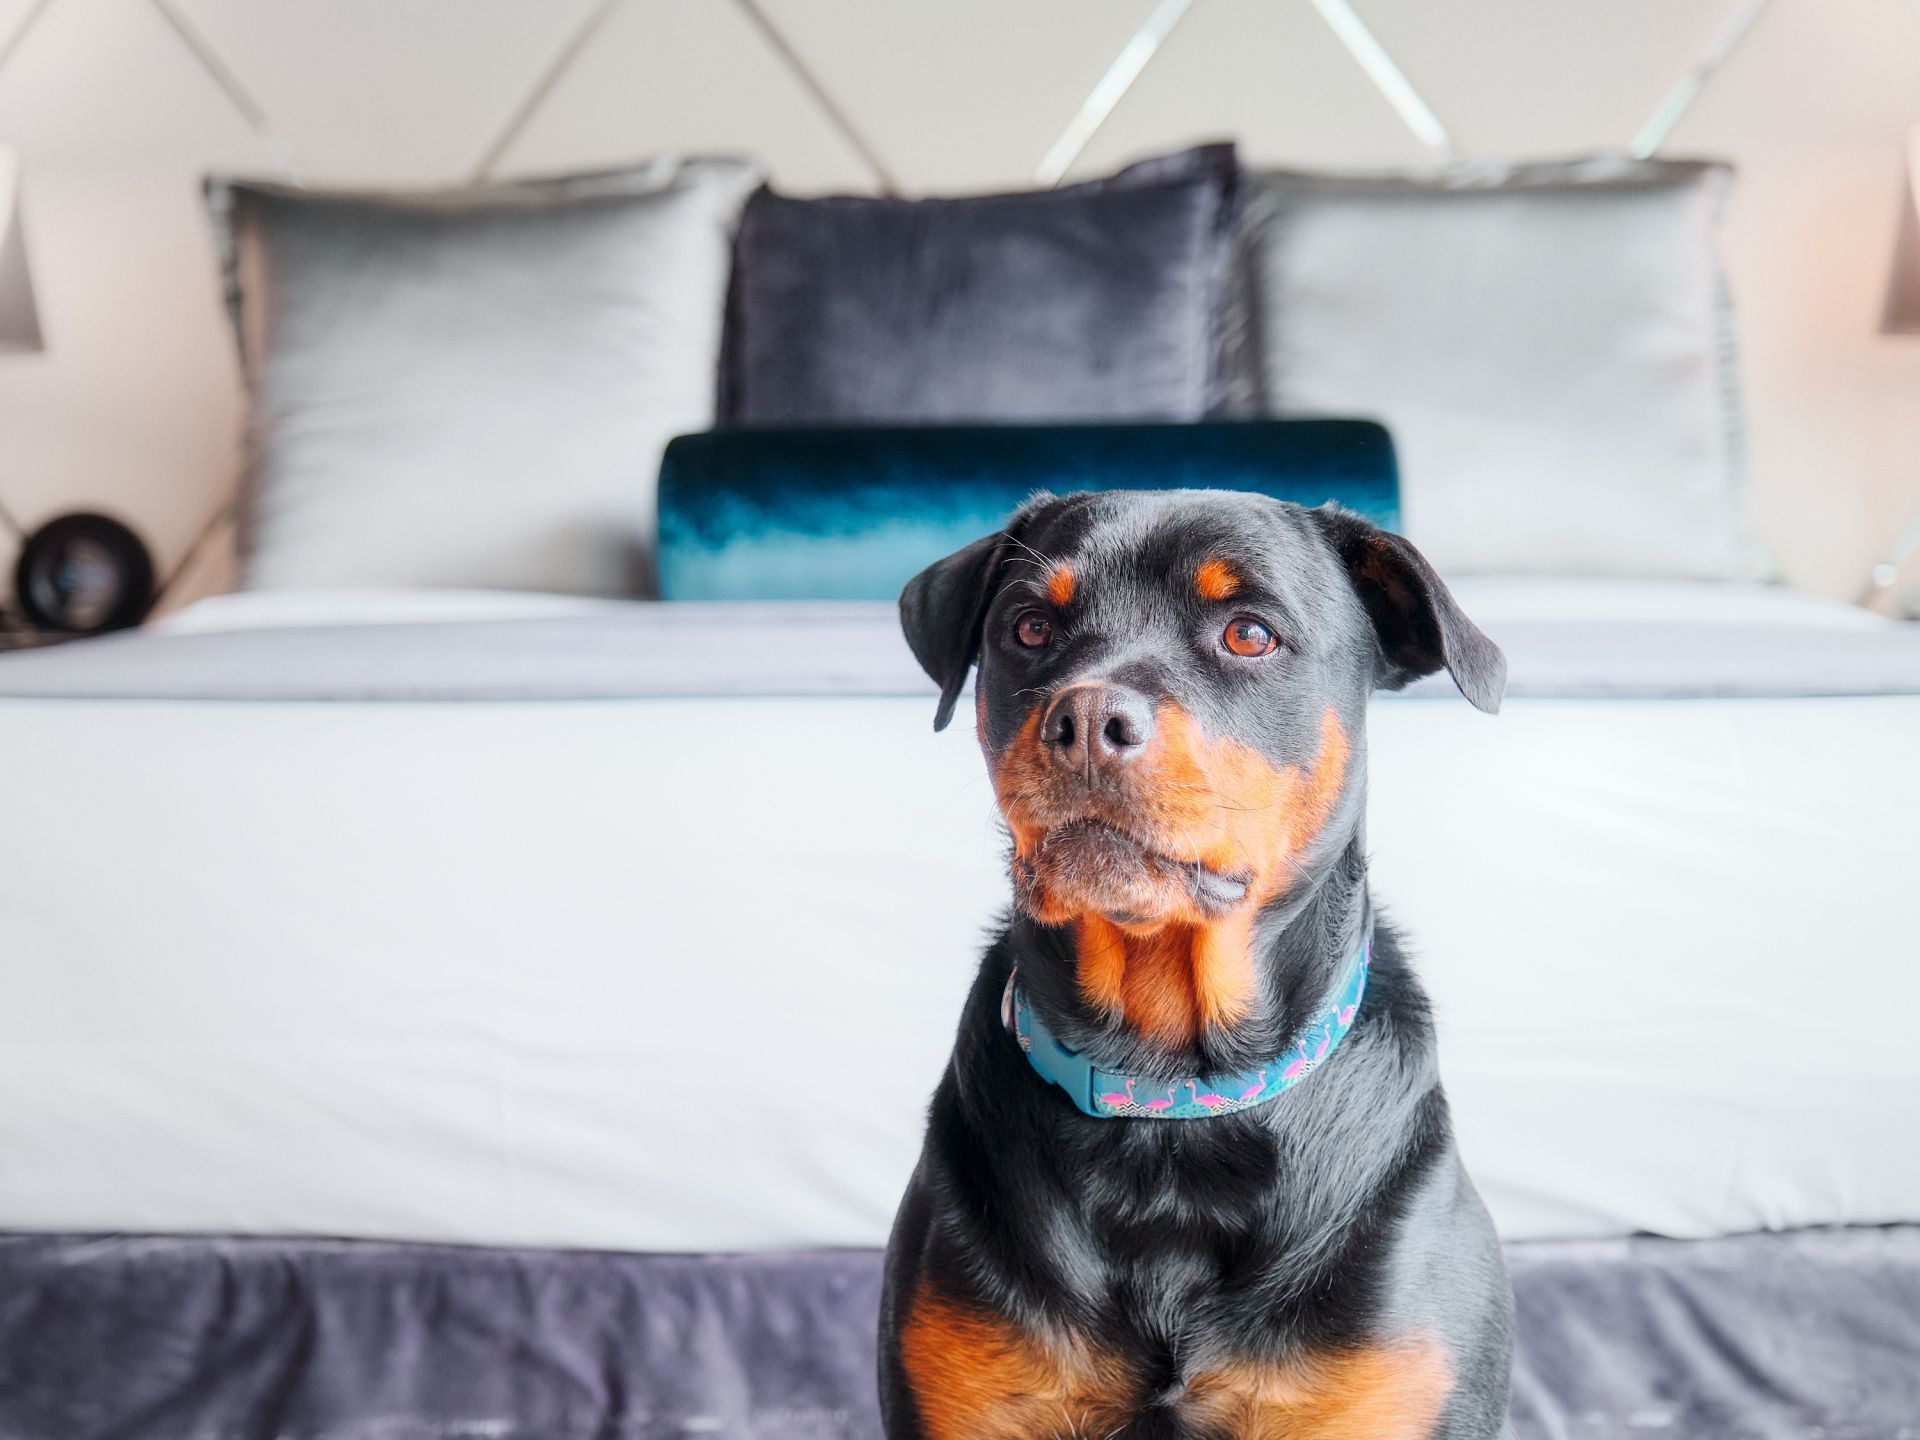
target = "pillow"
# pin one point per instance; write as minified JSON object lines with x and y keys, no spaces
{"x":1095,"y":301}
{"x":822,"y":514}
{"x":472,"y":387}
{"x":1551,"y":346}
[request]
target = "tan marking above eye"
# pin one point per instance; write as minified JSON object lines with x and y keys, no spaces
{"x":1215,"y":580}
{"x":1060,"y":585}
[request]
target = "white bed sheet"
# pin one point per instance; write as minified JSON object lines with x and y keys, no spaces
{"x":678,"y":975}
{"x":1488,"y":598}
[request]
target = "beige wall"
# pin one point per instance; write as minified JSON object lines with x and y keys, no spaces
{"x":136,"y":405}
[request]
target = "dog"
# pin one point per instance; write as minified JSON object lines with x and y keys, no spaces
{"x":1189,"y":1171}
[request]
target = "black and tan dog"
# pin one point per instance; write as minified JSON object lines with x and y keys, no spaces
{"x":1172,"y":694}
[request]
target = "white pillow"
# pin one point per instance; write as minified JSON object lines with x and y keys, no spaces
{"x":472,"y":388}
{"x":1551,"y":346}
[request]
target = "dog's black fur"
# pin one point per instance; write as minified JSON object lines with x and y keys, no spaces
{"x":1273,"y":1272}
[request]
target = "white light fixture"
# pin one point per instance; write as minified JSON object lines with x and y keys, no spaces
{"x":1902,"y":315}
{"x":19,"y":321}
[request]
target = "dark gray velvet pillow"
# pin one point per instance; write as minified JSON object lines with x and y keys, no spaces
{"x":1092,"y":302}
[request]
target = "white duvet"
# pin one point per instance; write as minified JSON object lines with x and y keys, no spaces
{"x":679,"y":974}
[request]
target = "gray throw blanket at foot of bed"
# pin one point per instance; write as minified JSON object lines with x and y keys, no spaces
{"x":1753,"y":1338}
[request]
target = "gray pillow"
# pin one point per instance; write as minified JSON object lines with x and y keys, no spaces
{"x":1551,"y":346}
{"x":1094,"y":301}
{"x":473,"y":387}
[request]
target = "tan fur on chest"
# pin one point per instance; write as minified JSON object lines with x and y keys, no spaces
{"x":974,"y":1376}
{"x":1214,"y":802}
{"x":1381,"y":1392}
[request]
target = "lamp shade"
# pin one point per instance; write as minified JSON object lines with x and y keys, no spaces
{"x":1903,"y":290}
{"x":19,"y":323}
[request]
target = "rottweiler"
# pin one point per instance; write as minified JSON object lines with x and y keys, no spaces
{"x":1190,"y":1172}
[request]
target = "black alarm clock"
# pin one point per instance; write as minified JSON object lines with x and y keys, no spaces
{"x":84,"y":575}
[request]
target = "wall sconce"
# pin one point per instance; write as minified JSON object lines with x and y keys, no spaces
{"x":1902,"y":317}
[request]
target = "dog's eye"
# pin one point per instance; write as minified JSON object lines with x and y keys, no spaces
{"x":1248,"y":637}
{"x":1033,"y":629}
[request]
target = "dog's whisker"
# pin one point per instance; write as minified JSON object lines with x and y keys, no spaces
{"x":965,"y":785}
{"x":1044,"y":560}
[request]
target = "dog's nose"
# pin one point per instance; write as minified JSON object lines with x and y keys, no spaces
{"x":1095,"y":726}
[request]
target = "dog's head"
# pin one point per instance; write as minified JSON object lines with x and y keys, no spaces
{"x":1171,"y":690}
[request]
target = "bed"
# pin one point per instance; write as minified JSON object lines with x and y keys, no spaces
{"x":419,"y":908}
{"x":420,"y":905}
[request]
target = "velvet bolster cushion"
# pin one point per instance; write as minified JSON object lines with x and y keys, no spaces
{"x":852,"y":514}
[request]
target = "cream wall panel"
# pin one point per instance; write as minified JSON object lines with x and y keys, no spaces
{"x":1270,"y":75}
{"x":134,"y":406}
{"x":1812,"y":108}
{"x":959,"y":97}
{"x":387,"y":91}
{"x":99,"y":82}
{"x":686,"y":75}
{"x":13,"y":15}
{"x":1526,"y":79}
{"x":1813,"y":74}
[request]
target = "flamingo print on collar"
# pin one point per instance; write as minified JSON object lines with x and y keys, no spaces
{"x":1108,"y":1095}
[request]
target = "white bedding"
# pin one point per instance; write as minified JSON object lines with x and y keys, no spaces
{"x":1489,"y":599}
{"x":679,"y":974}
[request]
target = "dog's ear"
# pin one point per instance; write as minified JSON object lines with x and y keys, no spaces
{"x":1420,"y":625}
{"x":942,"y":610}
{"x":944,"y":606}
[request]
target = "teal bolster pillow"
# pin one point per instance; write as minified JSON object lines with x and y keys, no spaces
{"x":853,"y":514}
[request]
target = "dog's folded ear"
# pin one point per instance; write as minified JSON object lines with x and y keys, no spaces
{"x":942,"y":610}
{"x":944,"y":606}
{"x":1419,"y":624}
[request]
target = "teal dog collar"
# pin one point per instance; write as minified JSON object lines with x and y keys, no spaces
{"x":1108,"y":1094}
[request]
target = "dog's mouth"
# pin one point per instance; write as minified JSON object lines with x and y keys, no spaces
{"x":1090,"y":865}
